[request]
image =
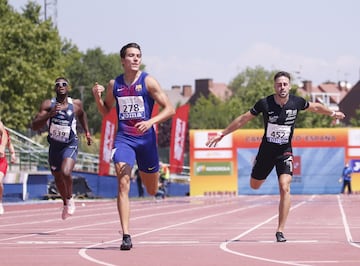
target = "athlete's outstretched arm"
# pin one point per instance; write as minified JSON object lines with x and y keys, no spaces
{"x":237,"y":123}
{"x":322,"y":109}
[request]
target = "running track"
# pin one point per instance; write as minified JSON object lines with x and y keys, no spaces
{"x":187,"y":231}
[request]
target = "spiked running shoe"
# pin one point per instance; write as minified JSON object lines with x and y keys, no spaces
{"x":126,"y":243}
{"x":280,"y":237}
{"x":71,"y":206}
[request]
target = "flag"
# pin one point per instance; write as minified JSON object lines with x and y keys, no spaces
{"x":108,"y":129}
{"x":178,"y":138}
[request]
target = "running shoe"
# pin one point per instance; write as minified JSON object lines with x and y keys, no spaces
{"x":1,"y":209}
{"x":280,"y":237}
{"x":71,"y":206}
{"x":126,"y":243}
{"x":65,"y":213}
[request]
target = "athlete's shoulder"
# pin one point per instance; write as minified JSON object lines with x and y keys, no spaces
{"x":268,"y":100}
{"x":117,"y":79}
{"x":260,"y":106}
{"x":144,"y":74}
{"x":299,"y":101}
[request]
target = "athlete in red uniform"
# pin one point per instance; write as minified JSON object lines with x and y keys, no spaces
{"x":5,"y":142}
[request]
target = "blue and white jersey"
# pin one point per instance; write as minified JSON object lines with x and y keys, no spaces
{"x":62,"y":126}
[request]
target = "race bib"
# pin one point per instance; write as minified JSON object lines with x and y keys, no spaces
{"x":278,"y":134}
{"x":131,"y":107}
{"x":59,"y":133}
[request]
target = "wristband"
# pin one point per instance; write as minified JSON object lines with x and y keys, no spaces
{"x":220,"y":134}
{"x":87,"y":134}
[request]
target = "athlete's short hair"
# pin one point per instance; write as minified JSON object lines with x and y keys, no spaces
{"x":129,"y":45}
{"x":60,"y":78}
{"x":281,"y":74}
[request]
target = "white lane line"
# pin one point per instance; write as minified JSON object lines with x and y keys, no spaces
{"x":46,"y":242}
{"x":169,"y":242}
{"x":82,"y":252}
{"x":346,"y":225}
{"x":224,"y":247}
{"x":177,"y":211}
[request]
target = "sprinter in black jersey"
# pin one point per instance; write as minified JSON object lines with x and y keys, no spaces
{"x":61,"y":114}
{"x":280,"y":111}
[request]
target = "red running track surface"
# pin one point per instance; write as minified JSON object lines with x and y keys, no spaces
{"x":187,"y":231}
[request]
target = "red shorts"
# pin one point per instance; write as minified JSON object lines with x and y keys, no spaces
{"x":3,"y":165}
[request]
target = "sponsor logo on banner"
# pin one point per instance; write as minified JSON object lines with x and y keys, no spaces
{"x":179,"y":139}
{"x":213,"y":154}
{"x":213,"y":168}
{"x":107,"y":139}
{"x":297,"y":165}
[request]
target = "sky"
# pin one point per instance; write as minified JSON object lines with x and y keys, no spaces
{"x":185,"y":40}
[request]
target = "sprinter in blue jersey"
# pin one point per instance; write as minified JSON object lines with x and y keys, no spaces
{"x":279,"y":112}
{"x":60,"y":115}
{"x":134,"y":94}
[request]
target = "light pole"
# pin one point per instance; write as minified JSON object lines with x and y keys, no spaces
{"x":81,"y":90}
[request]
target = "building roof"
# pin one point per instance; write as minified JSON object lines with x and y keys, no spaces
{"x":220,"y":90}
{"x":350,"y":103}
{"x":179,"y":95}
{"x":205,"y":87}
{"x":330,"y":92}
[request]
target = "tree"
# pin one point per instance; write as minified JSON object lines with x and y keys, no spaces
{"x":355,"y":121}
{"x":84,"y":71}
{"x":206,"y":113}
{"x":247,"y":87}
{"x":30,"y":58}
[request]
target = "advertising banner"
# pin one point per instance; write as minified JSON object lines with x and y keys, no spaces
{"x":108,"y":129}
{"x":319,"y":157}
{"x":178,"y":138}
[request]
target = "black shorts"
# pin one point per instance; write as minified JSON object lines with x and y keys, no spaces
{"x":267,"y":159}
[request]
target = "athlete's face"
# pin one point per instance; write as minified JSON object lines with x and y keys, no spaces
{"x":61,"y":87}
{"x":132,"y":60}
{"x":282,"y":87}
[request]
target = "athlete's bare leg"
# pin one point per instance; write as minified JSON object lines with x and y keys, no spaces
{"x":1,"y":192}
{"x":1,"y":185}
{"x":256,"y":184}
{"x":151,"y":182}
{"x":123,"y":172}
{"x":285,"y":201}
{"x":63,"y":179}
{"x":66,"y":169}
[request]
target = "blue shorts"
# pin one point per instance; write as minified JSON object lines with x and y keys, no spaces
{"x":143,"y":149}
{"x":59,"y":151}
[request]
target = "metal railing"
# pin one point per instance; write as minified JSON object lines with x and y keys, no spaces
{"x":32,"y":156}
